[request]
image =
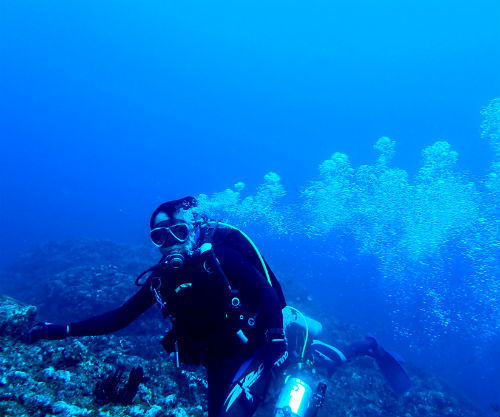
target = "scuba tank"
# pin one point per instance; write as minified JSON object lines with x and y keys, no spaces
{"x":297,"y":397}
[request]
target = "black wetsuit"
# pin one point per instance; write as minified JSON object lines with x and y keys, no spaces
{"x":208,"y":328}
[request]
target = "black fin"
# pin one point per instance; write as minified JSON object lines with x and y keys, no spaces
{"x":391,"y":368}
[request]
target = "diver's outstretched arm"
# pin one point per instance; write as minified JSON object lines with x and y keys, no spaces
{"x":105,"y":323}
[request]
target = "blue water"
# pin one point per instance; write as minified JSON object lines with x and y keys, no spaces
{"x":106,"y":110}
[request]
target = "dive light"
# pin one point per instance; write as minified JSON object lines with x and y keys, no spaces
{"x":297,"y":399}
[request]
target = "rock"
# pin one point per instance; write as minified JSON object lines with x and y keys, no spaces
{"x":61,"y":375}
{"x":136,"y":411}
{"x":67,"y":410}
{"x":178,"y":412}
{"x":145,"y":394}
{"x":197,"y":411}
{"x":154,"y":411}
{"x":41,"y":402}
{"x":8,"y":396}
{"x":16,"y":318}
{"x":48,"y":372}
{"x":72,"y":354}
{"x":170,"y":400}
{"x":17,"y":376}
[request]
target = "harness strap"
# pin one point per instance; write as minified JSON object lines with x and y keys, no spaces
{"x":250,"y":241}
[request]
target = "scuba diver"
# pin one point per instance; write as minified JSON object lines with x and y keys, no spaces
{"x":223,"y":301}
{"x":225,"y":307}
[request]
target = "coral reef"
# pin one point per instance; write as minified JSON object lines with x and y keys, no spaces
{"x":85,"y":376}
{"x":56,"y":378}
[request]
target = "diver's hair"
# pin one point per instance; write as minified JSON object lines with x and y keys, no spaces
{"x":171,"y":207}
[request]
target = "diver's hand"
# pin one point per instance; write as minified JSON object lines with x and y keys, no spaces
{"x":47,"y":331}
{"x":278,"y":348}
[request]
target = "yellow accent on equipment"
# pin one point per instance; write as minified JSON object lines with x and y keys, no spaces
{"x":307,"y":329}
{"x":264,"y":267}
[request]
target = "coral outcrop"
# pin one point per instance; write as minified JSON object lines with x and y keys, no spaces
{"x":15,"y":317}
{"x":78,"y":377}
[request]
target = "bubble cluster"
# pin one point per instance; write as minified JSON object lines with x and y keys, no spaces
{"x":263,"y":208}
{"x":436,"y":236}
{"x":490,"y":125}
{"x":326,"y":200}
{"x":444,"y":203}
{"x":490,"y":131}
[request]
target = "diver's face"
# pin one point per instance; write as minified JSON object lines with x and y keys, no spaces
{"x":176,"y":232}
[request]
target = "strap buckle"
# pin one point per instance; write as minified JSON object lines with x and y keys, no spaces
{"x":275,"y":335}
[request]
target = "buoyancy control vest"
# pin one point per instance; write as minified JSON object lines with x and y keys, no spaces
{"x":242,"y":320}
{"x":225,"y":234}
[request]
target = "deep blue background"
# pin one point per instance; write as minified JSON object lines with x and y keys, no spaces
{"x":109,"y":108}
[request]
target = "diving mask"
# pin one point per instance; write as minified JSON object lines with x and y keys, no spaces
{"x":165,"y":236}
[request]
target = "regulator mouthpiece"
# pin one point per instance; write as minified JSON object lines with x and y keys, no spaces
{"x":175,"y":260}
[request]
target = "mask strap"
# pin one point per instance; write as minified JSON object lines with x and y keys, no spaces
{"x":197,"y":222}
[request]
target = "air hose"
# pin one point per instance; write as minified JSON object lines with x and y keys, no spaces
{"x":307,"y":330}
{"x":264,"y":267}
